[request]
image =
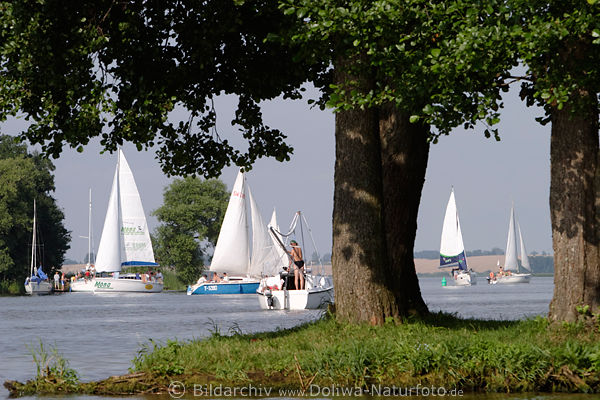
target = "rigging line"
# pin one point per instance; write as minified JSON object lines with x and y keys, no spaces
{"x":292,"y":227}
{"x":314,"y":244}
{"x":281,"y":244}
{"x":301,"y":231}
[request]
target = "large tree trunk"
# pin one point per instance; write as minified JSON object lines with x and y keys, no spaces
{"x":373,"y":282}
{"x":574,"y":211}
{"x":404,"y":155}
{"x":359,"y":254}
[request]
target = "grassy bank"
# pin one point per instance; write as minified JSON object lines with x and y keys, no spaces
{"x":443,"y":351}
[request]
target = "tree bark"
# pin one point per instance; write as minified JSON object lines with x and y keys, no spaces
{"x":574,"y":207}
{"x":404,"y":156}
{"x":359,"y":252}
{"x":376,"y":199}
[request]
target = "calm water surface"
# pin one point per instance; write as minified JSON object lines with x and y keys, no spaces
{"x":100,"y":334}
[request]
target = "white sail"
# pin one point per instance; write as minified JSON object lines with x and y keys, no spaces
{"x":137,"y":246}
{"x":125,"y":238}
{"x":231,"y":251}
{"x":510,"y":256}
{"x":452,"y":249}
{"x":282,"y":256}
{"x":264,"y":257}
{"x":524,"y":258}
{"x":109,"y":250}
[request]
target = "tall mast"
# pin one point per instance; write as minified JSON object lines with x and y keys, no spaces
{"x":90,"y":230}
{"x":33,"y":241}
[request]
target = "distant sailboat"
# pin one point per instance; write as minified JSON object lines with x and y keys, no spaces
{"x":512,"y":269}
{"x":125,"y":238}
{"x":37,"y":282}
{"x":452,"y":249}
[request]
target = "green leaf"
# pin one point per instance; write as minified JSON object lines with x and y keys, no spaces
{"x":413,"y":119}
{"x":435,"y":52}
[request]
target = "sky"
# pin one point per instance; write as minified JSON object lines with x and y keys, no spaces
{"x":487,"y":177}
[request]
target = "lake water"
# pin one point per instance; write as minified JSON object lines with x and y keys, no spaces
{"x":100,"y":334}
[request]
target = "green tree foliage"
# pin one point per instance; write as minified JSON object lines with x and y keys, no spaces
{"x":24,"y":177}
{"x":82,"y":68}
{"x":190,"y":218}
{"x":440,"y":61}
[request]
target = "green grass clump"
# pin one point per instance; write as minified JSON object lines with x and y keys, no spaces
{"x":441,"y":350}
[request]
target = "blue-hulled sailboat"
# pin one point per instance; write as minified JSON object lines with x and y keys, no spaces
{"x":232,"y":251}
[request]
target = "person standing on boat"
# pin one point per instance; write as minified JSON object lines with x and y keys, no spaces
{"x":296,"y":254}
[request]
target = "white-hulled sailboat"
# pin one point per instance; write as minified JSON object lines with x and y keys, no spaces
{"x":125,"y":238}
{"x":276,"y":291}
{"x":452,"y":249}
{"x":37,"y":282}
{"x":512,"y":269}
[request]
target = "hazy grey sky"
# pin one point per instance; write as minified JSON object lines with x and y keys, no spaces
{"x":487,"y":176}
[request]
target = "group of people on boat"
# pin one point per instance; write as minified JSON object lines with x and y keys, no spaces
{"x":87,"y":273}
{"x":501,"y":272}
{"x":150,"y":276}
{"x":215,"y":278}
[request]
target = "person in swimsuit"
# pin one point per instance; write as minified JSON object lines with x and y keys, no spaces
{"x":296,"y":254}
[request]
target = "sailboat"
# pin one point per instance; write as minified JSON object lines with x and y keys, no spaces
{"x":232,"y":251}
{"x":82,"y":284}
{"x":452,"y":249}
{"x":125,"y":238}
{"x":512,"y":269}
{"x":37,"y":282}
{"x":278,"y":292}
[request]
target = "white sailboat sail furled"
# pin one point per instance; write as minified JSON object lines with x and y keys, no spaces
{"x":277,"y":291}
{"x":37,"y":282}
{"x":452,"y":249}
{"x":276,"y":239}
{"x":232,"y":255}
{"x":125,"y":239}
{"x":512,"y":271}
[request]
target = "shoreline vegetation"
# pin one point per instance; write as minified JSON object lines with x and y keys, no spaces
{"x":439,"y":350}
